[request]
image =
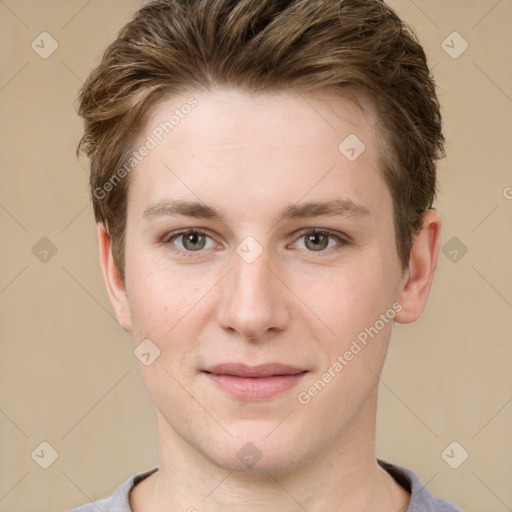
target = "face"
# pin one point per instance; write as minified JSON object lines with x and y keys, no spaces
{"x":261,"y":264}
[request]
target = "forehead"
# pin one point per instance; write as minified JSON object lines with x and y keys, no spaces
{"x":276,"y":145}
{"x":226,"y":113}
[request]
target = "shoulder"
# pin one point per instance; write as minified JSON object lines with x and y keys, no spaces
{"x":119,"y":501}
{"x":421,"y":498}
{"x":95,"y":506}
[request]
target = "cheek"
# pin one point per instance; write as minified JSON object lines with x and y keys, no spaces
{"x":157,"y":304}
{"x":352,"y":306}
{"x":151,"y":307}
{"x":168,"y":310}
{"x":350,"y":299}
{"x":169,"y":305}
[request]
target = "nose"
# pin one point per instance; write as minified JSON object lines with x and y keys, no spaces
{"x":253,"y":301}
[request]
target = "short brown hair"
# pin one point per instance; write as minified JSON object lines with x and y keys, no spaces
{"x":176,"y":46}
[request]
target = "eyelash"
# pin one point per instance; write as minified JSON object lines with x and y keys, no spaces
{"x":342,"y":240}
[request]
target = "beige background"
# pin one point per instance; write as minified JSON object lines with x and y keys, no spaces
{"x":68,"y":375}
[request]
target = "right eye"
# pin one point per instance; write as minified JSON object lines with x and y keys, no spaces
{"x":189,"y":241}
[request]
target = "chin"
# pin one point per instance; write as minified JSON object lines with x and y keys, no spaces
{"x":252,"y":461}
{"x":253,"y":450}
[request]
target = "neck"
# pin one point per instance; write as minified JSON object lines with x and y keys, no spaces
{"x":345,"y":477}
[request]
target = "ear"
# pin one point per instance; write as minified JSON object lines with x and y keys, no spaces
{"x":115,"y":286}
{"x":417,"y":279}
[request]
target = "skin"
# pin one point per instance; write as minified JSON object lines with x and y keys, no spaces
{"x":251,"y":156}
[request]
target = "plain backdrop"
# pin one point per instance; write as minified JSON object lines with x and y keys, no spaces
{"x":67,"y":370}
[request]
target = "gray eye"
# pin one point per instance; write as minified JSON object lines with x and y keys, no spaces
{"x":189,"y":241}
{"x":193,"y":241}
{"x":316,"y":241}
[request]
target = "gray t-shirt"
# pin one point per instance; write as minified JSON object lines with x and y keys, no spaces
{"x":421,"y":499}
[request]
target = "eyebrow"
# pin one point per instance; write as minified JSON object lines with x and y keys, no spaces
{"x":336,"y":207}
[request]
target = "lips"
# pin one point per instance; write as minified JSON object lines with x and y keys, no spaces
{"x":262,"y":370}
{"x":254,"y":382}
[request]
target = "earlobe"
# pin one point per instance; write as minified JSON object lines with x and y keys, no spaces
{"x":116,"y":289}
{"x":417,"y":280}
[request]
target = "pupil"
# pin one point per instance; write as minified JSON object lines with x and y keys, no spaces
{"x":318,"y":242}
{"x":194,"y":241}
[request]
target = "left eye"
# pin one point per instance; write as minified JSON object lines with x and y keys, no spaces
{"x":319,"y":241}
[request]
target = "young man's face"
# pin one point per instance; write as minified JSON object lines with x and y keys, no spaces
{"x":254,"y":285}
